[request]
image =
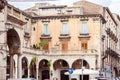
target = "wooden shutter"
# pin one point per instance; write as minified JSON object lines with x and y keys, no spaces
{"x":84,"y":45}
{"x":64,"y":46}
{"x":46,"y":46}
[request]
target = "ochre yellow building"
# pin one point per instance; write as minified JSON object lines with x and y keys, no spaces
{"x":45,"y":40}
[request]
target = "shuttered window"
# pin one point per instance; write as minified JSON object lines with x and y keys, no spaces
{"x":46,"y":46}
{"x":64,"y":46}
{"x":84,"y":45}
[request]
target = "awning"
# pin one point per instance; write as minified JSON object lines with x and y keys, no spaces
{"x":84,"y":72}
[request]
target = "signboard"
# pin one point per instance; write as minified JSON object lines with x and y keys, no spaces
{"x":70,"y":70}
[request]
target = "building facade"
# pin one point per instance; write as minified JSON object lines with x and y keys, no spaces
{"x":45,"y":40}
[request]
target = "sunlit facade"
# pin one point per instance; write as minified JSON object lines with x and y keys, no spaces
{"x":44,"y":41}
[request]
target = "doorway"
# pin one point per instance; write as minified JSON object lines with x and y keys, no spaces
{"x":85,"y":77}
{"x":63,"y":76}
{"x":45,"y":74}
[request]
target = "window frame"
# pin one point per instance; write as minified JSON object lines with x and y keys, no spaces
{"x":65,"y":29}
{"x":84,"y":27}
{"x":45,"y":29}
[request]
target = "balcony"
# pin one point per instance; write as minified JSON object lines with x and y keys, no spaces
{"x":45,"y":36}
{"x":112,"y":35}
{"x":64,"y":36}
{"x":78,"y":53}
{"x":31,"y":51}
{"x":91,"y":52}
{"x":84,"y":36}
{"x":112,"y":52}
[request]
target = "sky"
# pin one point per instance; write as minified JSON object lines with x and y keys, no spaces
{"x":114,"y":5}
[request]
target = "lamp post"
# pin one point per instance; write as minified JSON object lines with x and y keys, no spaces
{"x":82,"y":63}
{"x":7,"y":27}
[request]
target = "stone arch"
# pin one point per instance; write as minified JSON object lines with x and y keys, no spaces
{"x":61,"y":66}
{"x":115,"y":72}
{"x":44,"y":69}
{"x":60,"y":63}
{"x":77,"y":64}
{"x":119,"y":73}
{"x":32,"y":67}
{"x":10,"y":69}
{"x":13,"y":41}
{"x":43,"y":63}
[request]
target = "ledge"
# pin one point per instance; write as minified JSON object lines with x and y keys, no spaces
{"x":84,"y":36}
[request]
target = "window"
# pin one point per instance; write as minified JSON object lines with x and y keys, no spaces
{"x":26,"y":43}
{"x":26,"y":28}
{"x":84,"y":45}
{"x":64,"y":46}
{"x":64,"y":28}
{"x":84,"y":28}
{"x":69,"y":11}
{"x":45,"y":29}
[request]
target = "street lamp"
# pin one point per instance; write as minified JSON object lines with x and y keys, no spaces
{"x":8,"y":26}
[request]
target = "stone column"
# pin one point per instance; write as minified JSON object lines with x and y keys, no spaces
{"x":19,"y":66}
{"x":37,"y":71}
{"x":28,"y":69}
{"x":51,"y":70}
{"x":11,"y":66}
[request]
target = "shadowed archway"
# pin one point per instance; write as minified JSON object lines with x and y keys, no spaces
{"x":77,"y":64}
{"x":44,"y":70}
{"x":24,"y":67}
{"x":13,"y":42}
{"x":61,"y":66}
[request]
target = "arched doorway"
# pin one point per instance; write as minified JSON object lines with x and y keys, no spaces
{"x":8,"y":67}
{"x":13,"y":42}
{"x":32,"y":68}
{"x":24,"y":67}
{"x":77,"y":64}
{"x":61,"y":66}
{"x":44,"y":70}
{"x":119,"y":73}
{"x":115,"y":72}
